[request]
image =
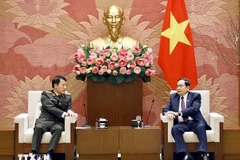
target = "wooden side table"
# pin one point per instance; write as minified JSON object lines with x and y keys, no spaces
{"x":140,"y":144}
{"x":97,"y":144}
{"x":7,"y":144}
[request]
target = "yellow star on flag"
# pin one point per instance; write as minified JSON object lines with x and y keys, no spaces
{"x":175,"y":33}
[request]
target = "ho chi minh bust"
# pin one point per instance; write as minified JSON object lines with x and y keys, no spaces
{"x":113,"y":18}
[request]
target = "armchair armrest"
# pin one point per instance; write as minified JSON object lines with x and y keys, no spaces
{"x":215,"y":120}
{"x":22,"y":120}
{"x":68,"y":122}
{"x":169,"y":126}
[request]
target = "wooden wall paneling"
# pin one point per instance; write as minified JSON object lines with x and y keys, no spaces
{"x":119,"y":104}
{"x":97,"y":144}
{"x":231,"y":141}
{"x":7,"y":144}
{"x":140,"y":144}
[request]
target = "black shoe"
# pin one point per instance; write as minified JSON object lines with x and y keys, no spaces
{"x":50,"y":154}
{"x":188,"y":157}
{"x":204,"y":157}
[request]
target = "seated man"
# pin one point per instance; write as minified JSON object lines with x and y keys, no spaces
{"x":56,"y":105}
{"x":113,"y":19}
{"x":184,"y":109}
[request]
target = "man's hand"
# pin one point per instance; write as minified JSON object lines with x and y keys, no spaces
{"x":171,"y":115}
{"x":72,"y":114}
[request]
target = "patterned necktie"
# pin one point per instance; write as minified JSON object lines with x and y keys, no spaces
{"x":183,"y":107}
{"x":183,"y":103}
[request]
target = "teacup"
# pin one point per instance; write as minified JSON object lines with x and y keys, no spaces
{"x":102,"y":125}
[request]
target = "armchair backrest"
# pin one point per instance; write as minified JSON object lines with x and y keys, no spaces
{"x":34,"y":106}
{"x":205,"y":105}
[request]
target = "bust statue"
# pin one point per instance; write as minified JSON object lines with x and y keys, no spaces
{"x":113,"y":18}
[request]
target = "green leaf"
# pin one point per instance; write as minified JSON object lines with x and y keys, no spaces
{"x":142,"y":73}
{"x":98,"y":78}
{"x":81,"y":77}
{"x":116,"y":79}
{"x":130,"y":78}
{"x":89,"y":74}
{"x":146,"y":79}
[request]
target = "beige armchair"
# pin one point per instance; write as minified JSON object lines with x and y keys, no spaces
{"x":24,"y":124}
{"x":214,"y":136}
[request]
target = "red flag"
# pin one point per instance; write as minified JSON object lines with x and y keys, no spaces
{"x":176,"y":54}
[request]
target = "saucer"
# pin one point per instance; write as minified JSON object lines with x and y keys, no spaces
{"x":102,"y":128}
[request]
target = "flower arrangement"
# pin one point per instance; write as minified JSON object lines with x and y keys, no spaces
{"x":114,"y":64}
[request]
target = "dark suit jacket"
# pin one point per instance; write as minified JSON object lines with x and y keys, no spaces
{"x":193,"y":105}
{"x":53,"y":106}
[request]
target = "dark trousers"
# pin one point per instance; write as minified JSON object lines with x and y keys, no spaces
{"x":198,"y":128}
{"x":42,"y":126}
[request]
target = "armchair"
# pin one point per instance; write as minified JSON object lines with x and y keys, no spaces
{"x":214,"y":136}
{"x":24,"y":124}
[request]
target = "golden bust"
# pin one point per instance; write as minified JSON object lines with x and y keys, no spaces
{"x":113,"y":18}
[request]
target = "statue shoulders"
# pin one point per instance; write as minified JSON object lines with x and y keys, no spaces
{"x":126,"y":38}
{"x":123,"y":41}
{"x":99,"y":41}
{"x":129,"y":42}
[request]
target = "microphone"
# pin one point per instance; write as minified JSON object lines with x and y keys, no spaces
{"x":148,"y":125}
{"x":86,"y":125}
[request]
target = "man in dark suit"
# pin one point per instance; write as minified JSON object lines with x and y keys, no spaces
{"x":56,"y":105}
{"x":184,"y":109}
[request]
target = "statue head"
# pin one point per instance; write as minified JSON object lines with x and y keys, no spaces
{"x":113,"y":18}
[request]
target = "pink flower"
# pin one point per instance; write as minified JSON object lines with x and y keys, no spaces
{"x":149,"y":57}
{"x":122,"y":63}
{"x":130,"y":56}
{"x":122,"y":53}
{"x":111,"y":65}
{"x":76,"y":55}
{"x":116,"y":65}
{"x":128,"y":72}
{"x":97,"y":49}
{"x":100,"y":72}
{"x":106,"y":51}
{"x":141,"y":62}
{"x":149,"y":72}
{"x":115,"y":73}
{"x":102,"y":55}
{"x":90,"y":61}
{"x":132,"y":64}
{"x":76,"y":69}
{"x":83,"y":70}
{"x":104,"y":68}
{"x":137,"y":70}
{"x":83,"y":63}
{"x":123,"y":70}
{"x":93,"y":55}
{"x":114,"y":57}
{"x":108,"y":61}
{"x":95,"y":70}
{"x":99,"y":62}
{"x":81,"y":57}
{"x":137,"y":49}
{"x":80,"y":50}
